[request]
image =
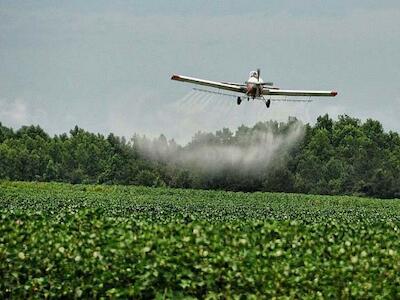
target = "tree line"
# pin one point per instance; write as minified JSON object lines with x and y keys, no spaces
{"x":337,"y":157}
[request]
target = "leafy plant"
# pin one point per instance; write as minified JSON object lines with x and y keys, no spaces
{"x":92,"y":241}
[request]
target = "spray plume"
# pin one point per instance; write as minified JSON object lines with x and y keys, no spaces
{"x":248,"y":151}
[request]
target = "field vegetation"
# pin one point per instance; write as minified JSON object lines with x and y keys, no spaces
{"x":86,"y":241}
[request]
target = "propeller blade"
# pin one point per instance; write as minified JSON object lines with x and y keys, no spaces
{"x":258,"y":73}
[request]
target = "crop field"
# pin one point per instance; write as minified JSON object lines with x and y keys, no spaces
{"x":93,"y":241}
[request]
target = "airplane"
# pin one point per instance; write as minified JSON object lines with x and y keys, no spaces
{"x":254,"y":88}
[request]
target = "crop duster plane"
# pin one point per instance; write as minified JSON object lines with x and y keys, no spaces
{"x":255,"y":88}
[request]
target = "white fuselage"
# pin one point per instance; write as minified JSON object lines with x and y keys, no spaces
{"x":254,"y":86}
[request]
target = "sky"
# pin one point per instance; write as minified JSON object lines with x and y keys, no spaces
{"x":106,"y":65}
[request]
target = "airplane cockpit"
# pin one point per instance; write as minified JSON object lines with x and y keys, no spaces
{"x":253,"y":74}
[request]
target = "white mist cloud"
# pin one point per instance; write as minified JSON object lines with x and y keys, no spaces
{"x":258,"y":153}
{"x":253,"y":151}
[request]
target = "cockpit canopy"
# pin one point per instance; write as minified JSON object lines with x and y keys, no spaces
{"x":253,"y":74}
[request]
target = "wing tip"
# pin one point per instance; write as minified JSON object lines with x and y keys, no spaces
{"x":175,"y":77}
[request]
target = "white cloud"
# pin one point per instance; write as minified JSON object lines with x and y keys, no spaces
{"x":13,"y":112}
{"x":18,"y":112}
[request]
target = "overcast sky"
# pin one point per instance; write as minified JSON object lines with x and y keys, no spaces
{"x":106,"y":65}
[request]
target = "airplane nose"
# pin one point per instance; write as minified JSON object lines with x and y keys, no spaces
{"x":250,"y":87}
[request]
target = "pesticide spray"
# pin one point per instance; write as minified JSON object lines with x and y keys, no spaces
{"x":249,"y":150}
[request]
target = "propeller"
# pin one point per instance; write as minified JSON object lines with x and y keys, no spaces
{"x":258,"y":73}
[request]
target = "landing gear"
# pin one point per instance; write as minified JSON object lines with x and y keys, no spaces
{"x":268,"y":103}
{"x":239,"y":100}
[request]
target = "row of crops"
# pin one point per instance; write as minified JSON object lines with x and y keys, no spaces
{"x":71,"y":241}
{"x":165,"y":204}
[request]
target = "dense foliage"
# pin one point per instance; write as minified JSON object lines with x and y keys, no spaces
{"x":343,"y":157}
{"x":92,"y":241}
{"x":167,"y":204}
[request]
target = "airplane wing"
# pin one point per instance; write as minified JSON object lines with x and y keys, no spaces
{"x":215,"y":84}
{"x":277,"y":92}
{"x":234,"y":83}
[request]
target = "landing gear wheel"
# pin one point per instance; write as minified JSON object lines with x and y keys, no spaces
{"x":268,"y":103}
{"x":239,"y":100}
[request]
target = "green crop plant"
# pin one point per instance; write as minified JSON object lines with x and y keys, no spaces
{"x":92,"y":241}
